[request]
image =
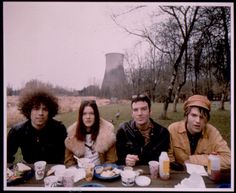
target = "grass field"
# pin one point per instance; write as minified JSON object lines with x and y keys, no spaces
{"x":220,"y":119}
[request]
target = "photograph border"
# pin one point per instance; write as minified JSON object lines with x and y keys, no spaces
{"x":138,"y":189}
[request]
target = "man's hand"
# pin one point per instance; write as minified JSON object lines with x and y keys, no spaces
{"x":130,"y":160}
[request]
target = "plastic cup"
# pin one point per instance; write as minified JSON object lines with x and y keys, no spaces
{"x":128,"y":177}
{"x":39,"y":168}
{"x":153,"y":168}
{"x":89,"y":171}
{"x":50,"y":181}
{"x":68,"y":179}
{"x":59,"y":174}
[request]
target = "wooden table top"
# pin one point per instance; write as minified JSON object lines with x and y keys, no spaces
{"x":156,"y":184}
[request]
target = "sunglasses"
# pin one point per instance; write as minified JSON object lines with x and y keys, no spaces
{"x":141,"y":96}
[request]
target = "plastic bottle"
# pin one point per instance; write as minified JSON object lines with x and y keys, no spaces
{"x":213,"y":167}
{"x":164,"y":162}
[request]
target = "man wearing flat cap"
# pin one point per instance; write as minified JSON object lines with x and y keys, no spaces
{"x":193,"y":139}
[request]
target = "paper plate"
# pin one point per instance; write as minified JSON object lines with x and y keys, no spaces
{"x":58,"y":167}
{"x":142,"y":181}
{"x":55,"y":168}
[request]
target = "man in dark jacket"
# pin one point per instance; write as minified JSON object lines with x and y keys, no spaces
{"x":140,"y":139}
{"x":40,"y":137}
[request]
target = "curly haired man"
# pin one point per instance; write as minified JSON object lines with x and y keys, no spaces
{"x":40,"y":137}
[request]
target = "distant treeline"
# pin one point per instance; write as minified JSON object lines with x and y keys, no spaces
{"x":58,"y":90}
{"x":94,"y":90}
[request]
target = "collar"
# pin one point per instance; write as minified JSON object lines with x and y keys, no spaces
{"x":147,"y":126}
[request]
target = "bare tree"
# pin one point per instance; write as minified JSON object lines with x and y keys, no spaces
{"x":185,"y":18}
{"x":212,"y":51}
{"x":223,"y":53}
{"x":191,"y":48}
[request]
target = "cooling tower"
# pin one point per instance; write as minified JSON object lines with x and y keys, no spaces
{"x":114,"y":80}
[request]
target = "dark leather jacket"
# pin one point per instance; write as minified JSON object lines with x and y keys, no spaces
{"x":129,"y":140}
{"x":46,"y":144}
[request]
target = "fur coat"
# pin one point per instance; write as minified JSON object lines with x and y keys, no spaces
{"x":104,"y":144}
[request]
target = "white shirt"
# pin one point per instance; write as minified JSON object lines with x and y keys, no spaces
{"x":89,"y":150}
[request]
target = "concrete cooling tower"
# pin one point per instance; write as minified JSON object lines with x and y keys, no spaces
{"x":114,"y":80}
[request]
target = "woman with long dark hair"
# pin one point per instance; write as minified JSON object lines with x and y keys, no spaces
{"x":90,"y":136}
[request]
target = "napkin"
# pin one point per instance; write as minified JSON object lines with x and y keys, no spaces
{"x":79,"y":173}
{"x":194,"y":168}
{"x":194,"y":181}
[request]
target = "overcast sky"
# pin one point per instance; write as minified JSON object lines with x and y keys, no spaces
{"x":63,"y":43}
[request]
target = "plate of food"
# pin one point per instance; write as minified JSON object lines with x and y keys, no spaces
{"x":107,"y":171}
{"x":18,"y":173}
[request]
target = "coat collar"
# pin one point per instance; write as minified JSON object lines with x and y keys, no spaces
{"x":105,"y":139}
{"x":183,"y":129}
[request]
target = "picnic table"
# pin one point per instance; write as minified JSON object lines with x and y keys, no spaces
{"x":107,"y":185}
